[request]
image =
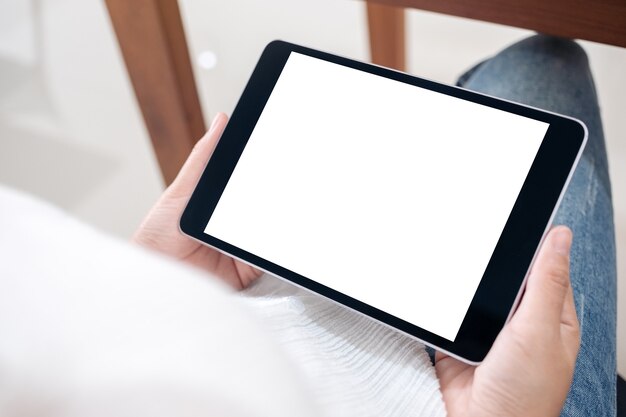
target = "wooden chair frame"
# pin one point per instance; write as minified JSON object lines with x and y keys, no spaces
{"x":152,"y":41}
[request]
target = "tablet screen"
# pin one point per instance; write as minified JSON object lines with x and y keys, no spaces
{"x":390,"y":193}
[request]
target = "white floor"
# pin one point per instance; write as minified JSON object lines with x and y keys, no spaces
{"x":71,"y":132}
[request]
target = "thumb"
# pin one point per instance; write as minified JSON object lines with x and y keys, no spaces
{"x":191,"y":170}
{"x":548,"y":283}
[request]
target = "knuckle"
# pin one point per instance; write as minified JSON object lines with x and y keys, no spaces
{"x":558,"y":275}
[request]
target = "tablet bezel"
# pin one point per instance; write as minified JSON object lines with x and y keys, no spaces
{"x":529,"y":221}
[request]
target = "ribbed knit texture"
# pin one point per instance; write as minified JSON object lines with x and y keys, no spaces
{"x":356,"y":366}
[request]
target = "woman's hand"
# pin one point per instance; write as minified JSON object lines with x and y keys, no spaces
{"x":159,"y":230}
{"x":529,"y":369}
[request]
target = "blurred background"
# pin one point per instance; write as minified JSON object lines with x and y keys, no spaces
{"x":71,"y":131}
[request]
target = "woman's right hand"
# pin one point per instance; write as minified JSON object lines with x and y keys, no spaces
{"x":529,"y":369}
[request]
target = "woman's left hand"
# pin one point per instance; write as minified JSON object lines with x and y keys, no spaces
{"x":159,"y":230}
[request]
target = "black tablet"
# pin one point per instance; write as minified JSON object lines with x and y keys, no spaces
{"x":418,"y":204}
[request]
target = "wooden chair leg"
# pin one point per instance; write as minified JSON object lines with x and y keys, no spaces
{"x":152,"y":40}
{"x":386,"y":35}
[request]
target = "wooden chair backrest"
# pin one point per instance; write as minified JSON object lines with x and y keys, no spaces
{"x":601,"y":21}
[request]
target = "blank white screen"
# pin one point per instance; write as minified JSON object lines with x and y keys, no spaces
{"x":389,"y":193}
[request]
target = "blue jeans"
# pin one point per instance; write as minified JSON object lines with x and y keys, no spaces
{"x":554,"y":74}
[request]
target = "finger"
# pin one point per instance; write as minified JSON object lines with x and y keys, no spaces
{"x":439,"y":356}
{"x":448,"y":368}
{"x":196,"y":161}
{"x":548,"y":283}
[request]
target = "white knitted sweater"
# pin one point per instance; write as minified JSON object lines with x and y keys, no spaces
{"x":91,"y":326}
{"x":356,"y":366}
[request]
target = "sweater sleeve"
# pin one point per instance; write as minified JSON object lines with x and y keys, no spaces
{"x":92,"y":326}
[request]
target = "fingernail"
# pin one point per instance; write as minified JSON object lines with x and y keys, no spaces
{"x":562,"y":240}
{"x":214,"y":123}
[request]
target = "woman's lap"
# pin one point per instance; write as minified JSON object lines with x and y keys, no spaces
{"x":553,"y":74}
